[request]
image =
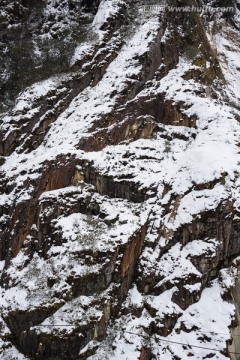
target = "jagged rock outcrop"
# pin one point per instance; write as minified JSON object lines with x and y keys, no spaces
{"x":119,"y":187}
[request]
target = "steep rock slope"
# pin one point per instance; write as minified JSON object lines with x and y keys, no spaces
{"x":119,"y":203}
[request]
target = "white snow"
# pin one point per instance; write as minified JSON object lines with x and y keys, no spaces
{"x":106,"y":9}
{"x":199,"y":166}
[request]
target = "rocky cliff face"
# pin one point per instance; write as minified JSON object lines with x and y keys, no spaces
{"x":119,"y":188}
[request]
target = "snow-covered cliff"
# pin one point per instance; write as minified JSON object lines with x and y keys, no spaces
{"x":119,"y":187}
